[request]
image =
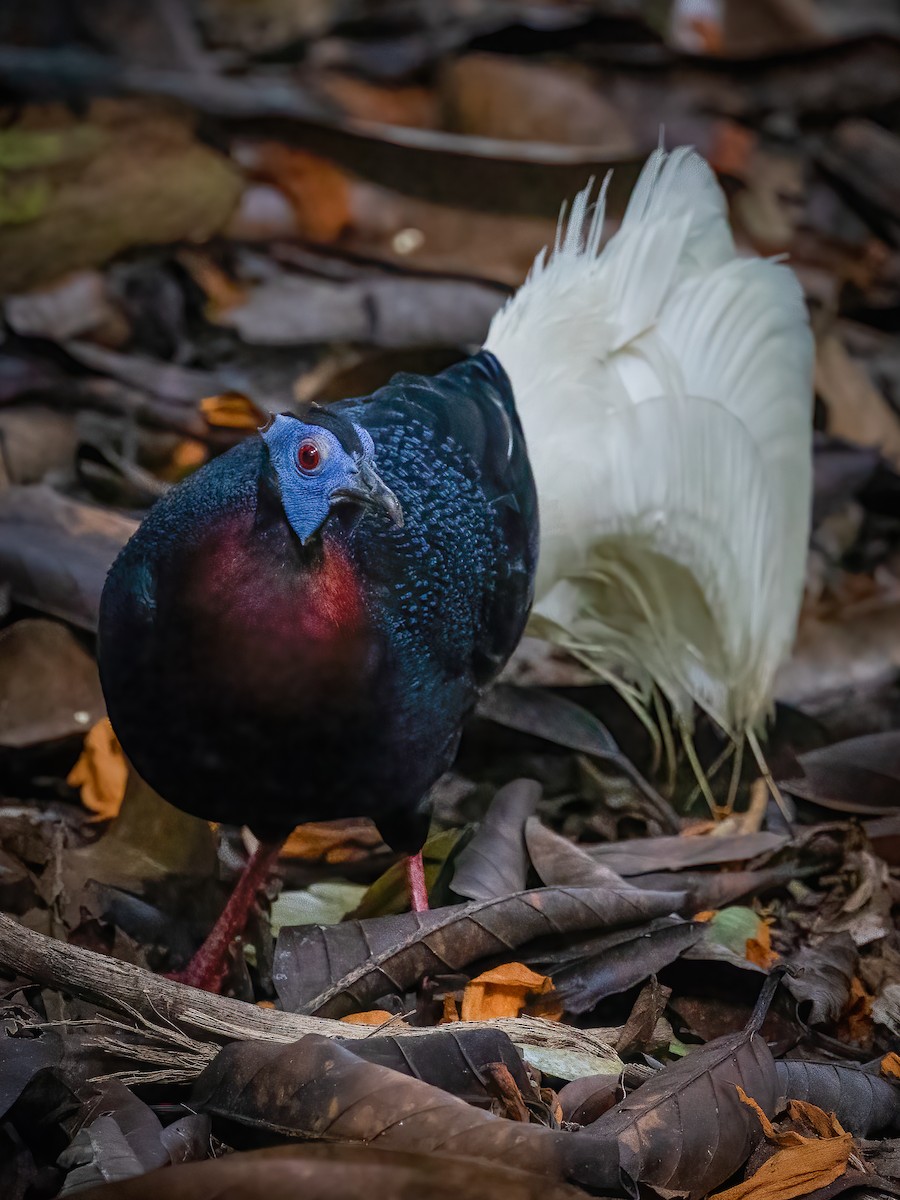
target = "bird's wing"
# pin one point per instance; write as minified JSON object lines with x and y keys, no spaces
{"x":668,"y":384}
{"x":451,"y":446}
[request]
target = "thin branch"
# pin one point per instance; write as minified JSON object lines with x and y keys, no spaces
{"x":165,"y":1007}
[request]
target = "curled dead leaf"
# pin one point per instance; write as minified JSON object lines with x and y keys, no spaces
{"x":823,"y":1124}
{"x":795,"y":1171}
{"x":337,"y":1172}
{"x":863,"y":1103}
{"x":316,"y":1089}
{"x":334,"y":970}
{"x":759,"y":948}
{"x":685,"y":1130}
{"x":101,"y":772}
{"x":802,"y":1164}
{"x":502,"y":992}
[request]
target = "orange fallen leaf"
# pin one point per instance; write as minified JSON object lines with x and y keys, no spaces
{"x":411,"y":105}
{"x":375,"y":1016}
{"x":333,"y":841}
{"x":759,"y":949}
{"x":233,"y":410}
{"x":222,"y":292}
{"x":795,"y":1171}
{"x":502,"y":992}
{"x":188,"y":455}
{"x":451,"y":1012}
{"x":823,"y":1124}
{"x":818,"y":1121}
{"x":890,"y":1065}
{"x":856,"y":1023}
{"x":767,"y":1127}
{"x":802,"y":1164}
{"x":318,"y":190}
{"x":101,"y":772}
{"x":706,"y":915}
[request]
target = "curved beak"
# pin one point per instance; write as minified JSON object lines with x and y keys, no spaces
{"x":371,"y":491}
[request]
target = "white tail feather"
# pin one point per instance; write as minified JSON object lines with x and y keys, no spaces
{"x":665,"y":389}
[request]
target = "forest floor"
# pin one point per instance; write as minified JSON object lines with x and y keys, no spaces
{"x":617,"y":991}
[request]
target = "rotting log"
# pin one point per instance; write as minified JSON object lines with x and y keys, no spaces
{"x":181,"y":1014}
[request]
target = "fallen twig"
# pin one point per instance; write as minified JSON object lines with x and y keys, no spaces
{"x":165,"y":1008}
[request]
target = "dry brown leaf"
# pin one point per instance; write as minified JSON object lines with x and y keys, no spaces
{"x":409,"y":105}
{"x":685,"y":1131}
{"x":771,"y":204}
{"x":318,"y":190}
{"x":333,"y":841}
{"x":863,"y":1103}
{"x":769,"y":26}
{"x":319,"y":1171}
{"x":890,"y":1066}
{"x":502,"y":992}
{"x":49,"y":686}
{"x":316,"y":1088}
{"x":101,"y":772}
{"x":55,"y":551}
{"x":499,"y":96}
{"x":857,"y":411}
{"x":375,"y":1016}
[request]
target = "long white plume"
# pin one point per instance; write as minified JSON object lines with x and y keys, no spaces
{"x":665,"y":389}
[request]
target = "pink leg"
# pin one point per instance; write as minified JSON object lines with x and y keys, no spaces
{"x":208,"y":967}
{"x":415,"y":876}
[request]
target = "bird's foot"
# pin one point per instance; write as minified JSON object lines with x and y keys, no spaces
{"x":207,"y":970}
{"x":209,"y":966}
{"x":415,"y":877}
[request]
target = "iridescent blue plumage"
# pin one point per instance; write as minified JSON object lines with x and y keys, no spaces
{"x":256,"y":679}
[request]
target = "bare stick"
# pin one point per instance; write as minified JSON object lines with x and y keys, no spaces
{"x":153,"y":1001}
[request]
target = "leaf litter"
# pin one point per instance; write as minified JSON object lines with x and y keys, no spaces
{"x":582,"y":1012}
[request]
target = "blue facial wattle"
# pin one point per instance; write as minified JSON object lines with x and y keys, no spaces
{"x":317,"y":470}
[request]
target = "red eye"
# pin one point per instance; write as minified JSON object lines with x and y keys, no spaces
{"x":308,"y":456}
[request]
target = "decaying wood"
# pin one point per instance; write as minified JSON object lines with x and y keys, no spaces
{"x":167,"y":1008}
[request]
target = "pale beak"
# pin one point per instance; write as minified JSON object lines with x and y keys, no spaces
{"x":369,"y":490}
